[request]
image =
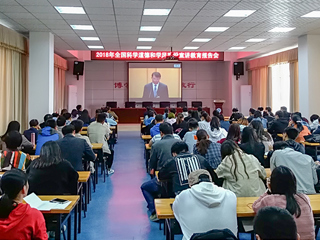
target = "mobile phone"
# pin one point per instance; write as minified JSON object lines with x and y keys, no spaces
{"x":58,"y":200}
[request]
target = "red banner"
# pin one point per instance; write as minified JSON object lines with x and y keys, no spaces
{"x":141,"y":55}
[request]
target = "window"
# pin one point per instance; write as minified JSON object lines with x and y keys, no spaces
{"x":280,"y":86}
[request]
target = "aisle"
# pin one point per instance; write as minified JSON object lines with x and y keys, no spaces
{"x":117,"y":210}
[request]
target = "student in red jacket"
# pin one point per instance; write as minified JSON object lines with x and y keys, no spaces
{"x":19,"y":220}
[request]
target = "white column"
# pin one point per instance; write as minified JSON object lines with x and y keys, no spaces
{"x":41,"y":74}
{"x":309,"y":71}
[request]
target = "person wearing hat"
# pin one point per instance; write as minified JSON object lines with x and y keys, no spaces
{"x":205,"y":206}
{"x":19,"y":220}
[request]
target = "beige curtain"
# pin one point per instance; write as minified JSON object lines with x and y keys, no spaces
{"x":60,"y":67}
{"x":13,"y":78}
{"x":294,"y":86}
{"x":258,"y":78}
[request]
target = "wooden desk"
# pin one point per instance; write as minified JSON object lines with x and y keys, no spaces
{"x":33,"y":157}
{"x":113,"y":127}
{"x":147,"y":146}
{"x":85,"y":133}
{"x":58,"y":213}
{"x":146,"y":137}
{"x":268,"y":171}
{"x":280,"y":135}
{"x":84,"y":128}
{"x":97,"y":146}
{"x":83,"y":189}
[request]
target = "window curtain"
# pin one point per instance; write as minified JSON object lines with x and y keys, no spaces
{"x":13,"y":78}
{"x":60,"y":67}
{"x":259,"y":73}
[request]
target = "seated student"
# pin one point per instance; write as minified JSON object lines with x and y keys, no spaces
{"x":250,"y":145}
{"x":85,"y":118}
{"x":158,"y":137}
{"x":108,"y":119}
{"x":34,"y":127}
{"x":68,"y":118}
{"x":63,"y":111}
{"x":189,"y":115}
{"x":171,"y":118}
{"x":17,"y":219}
{"x":61,"y":122}
{"x":278,"y":125}
{"x":74,"y":114}
{"x":267,"y":116}
{"x":275,"y":223}
{"x":50,"y":174}
{"x":216,"y":133}
{"x":195,"y":115}
{"x":55,"y":116}
{"x":174,"y":172}
{"x":15,"y":126}
{"x":258,"y":117}
{"x":112,"y":113}
{"x":211,"y":151}
{"x":73,"y":149}
{"x":301,"y":165}
{"x":251,"y":114}
{"x":234,"y":134}
{"x":314,"y":119}
{"x":282,"y":192}
{"x":79,"y":109}
{"x":285,"y":112}
{"x":190,"y":137}
{"x":166,"y":112}
{"x":205,"y":206}
{"x":289,"y":136}
{"x":180,"y":126}
{"x":99,"y":132}
{"x":185,"y":112}
{"x":173,"y":110}
{"x":48,"y":133}
{"x":155,"y":129}
{"x":224,"y":124}
{"x":243,"y":123}
{"x":45,"y":118}
{"x":242,"y":173}
{"x":303,"y":129}
{"x":78,"y":124}
{"x":269,"y":111}
{"x":12,"y":157}
{"x":234,"y":111}
{"x":150,"y":118}
{"x":205,"y":121}
{"x":262,"y":136}
{"x":304,"y":120}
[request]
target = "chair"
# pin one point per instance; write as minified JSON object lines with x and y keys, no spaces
{"x":164,"y":104}
{"x":196,"y":104}
{"x":112,"y":104}
{"x":130,"y":104}
{"x":182,"y":104}
{"x":147,"y":104}
{"x":215,"y":234}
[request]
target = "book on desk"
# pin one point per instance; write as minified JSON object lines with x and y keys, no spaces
{"x":35,"y":202}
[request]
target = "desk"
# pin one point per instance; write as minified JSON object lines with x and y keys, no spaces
{"x":312,"y":145}
{"x":147,"y":151}
{"x":58,"y":213}
{"x":84,"y":128}
{"x":146,"y":137}
{"x":244,"y":210}
{"x":83,"y":180}
{"x":280,"y":135}
{"x":132,"y":115}
{"x":268,"y":171}
{"x":84,"y":132}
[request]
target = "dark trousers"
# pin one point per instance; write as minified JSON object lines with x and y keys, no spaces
{"x":109,"y":158}
{"x":150,"y":190}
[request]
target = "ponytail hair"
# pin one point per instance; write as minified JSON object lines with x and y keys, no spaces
{"x":215,"y":123}
{"x":206,"y":116}
{"x":203,"y":143}
{"x":297,"y":120}
{"x":180,"y":118}
{"x":12,"y":182}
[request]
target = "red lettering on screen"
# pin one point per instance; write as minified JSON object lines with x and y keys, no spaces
{"x":137,"y":55}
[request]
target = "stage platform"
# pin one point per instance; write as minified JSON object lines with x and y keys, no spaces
{"x":132,"y":115}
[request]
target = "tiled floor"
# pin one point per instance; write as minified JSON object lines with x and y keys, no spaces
{"x":118,"y":210}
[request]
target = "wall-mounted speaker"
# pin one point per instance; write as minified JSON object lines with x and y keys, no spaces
{"x":78,"y":68}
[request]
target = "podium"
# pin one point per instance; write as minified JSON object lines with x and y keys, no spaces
{"x":218,"y":103}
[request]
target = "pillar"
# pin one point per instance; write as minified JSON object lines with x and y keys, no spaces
{"x":309,"y":74}
{"x":41,"y":75}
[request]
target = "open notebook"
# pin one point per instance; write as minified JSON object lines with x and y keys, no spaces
{"x":35,"y":202}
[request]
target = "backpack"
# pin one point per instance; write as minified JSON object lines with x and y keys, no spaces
{"x":314,"y":138}
{"x":214,"y":234}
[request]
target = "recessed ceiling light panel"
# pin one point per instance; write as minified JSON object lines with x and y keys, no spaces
{"x":95,"y":47}
{"x":256,"y":40}
{"x":70,"y":10}
{"x":90,"y":38}
{"x":190,"y":48}
{"x":239,"y":13}
{"x":144,"y":47}
{"x":216,"y":29}
{"x":313,"y":14}
{"x":150,"y":28}
{"x":201,"y":39}
{"x":82,"y":27}
{"x":282,"y":29}
{"x":236,"y":48}
{"x":156,"y":12}
{"x":146,"y":39}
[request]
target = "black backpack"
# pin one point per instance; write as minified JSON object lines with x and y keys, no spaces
{"x":215,"y":234}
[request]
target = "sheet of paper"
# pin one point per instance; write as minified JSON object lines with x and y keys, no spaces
{"x":33,"y":200}
{"x":62,"y":205}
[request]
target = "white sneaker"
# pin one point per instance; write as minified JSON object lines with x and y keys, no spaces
{"x":111,"y":171}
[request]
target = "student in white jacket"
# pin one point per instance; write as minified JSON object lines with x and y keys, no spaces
{"x":215,"y":132}
{"x":205,"y":206}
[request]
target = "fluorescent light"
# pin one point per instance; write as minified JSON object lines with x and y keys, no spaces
{"x":239,"y":13}
{"x":236,"y":48}
{"x":201,"y":39}
{"x":90,"y":38}
{"x":282,"y":29}
{"x":82,"y":27}
{"x":96,"y":47}
{"x":144,"y":47}
{"x":191,"y":48}
{"x":146,"y":39}
{"x":150,"y":28}
{"x":216,"y":29}
{"x":156,"y":12}
{"x":256,"y":40}
{"x":313,"y":14}
{"x":70,"y":10}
